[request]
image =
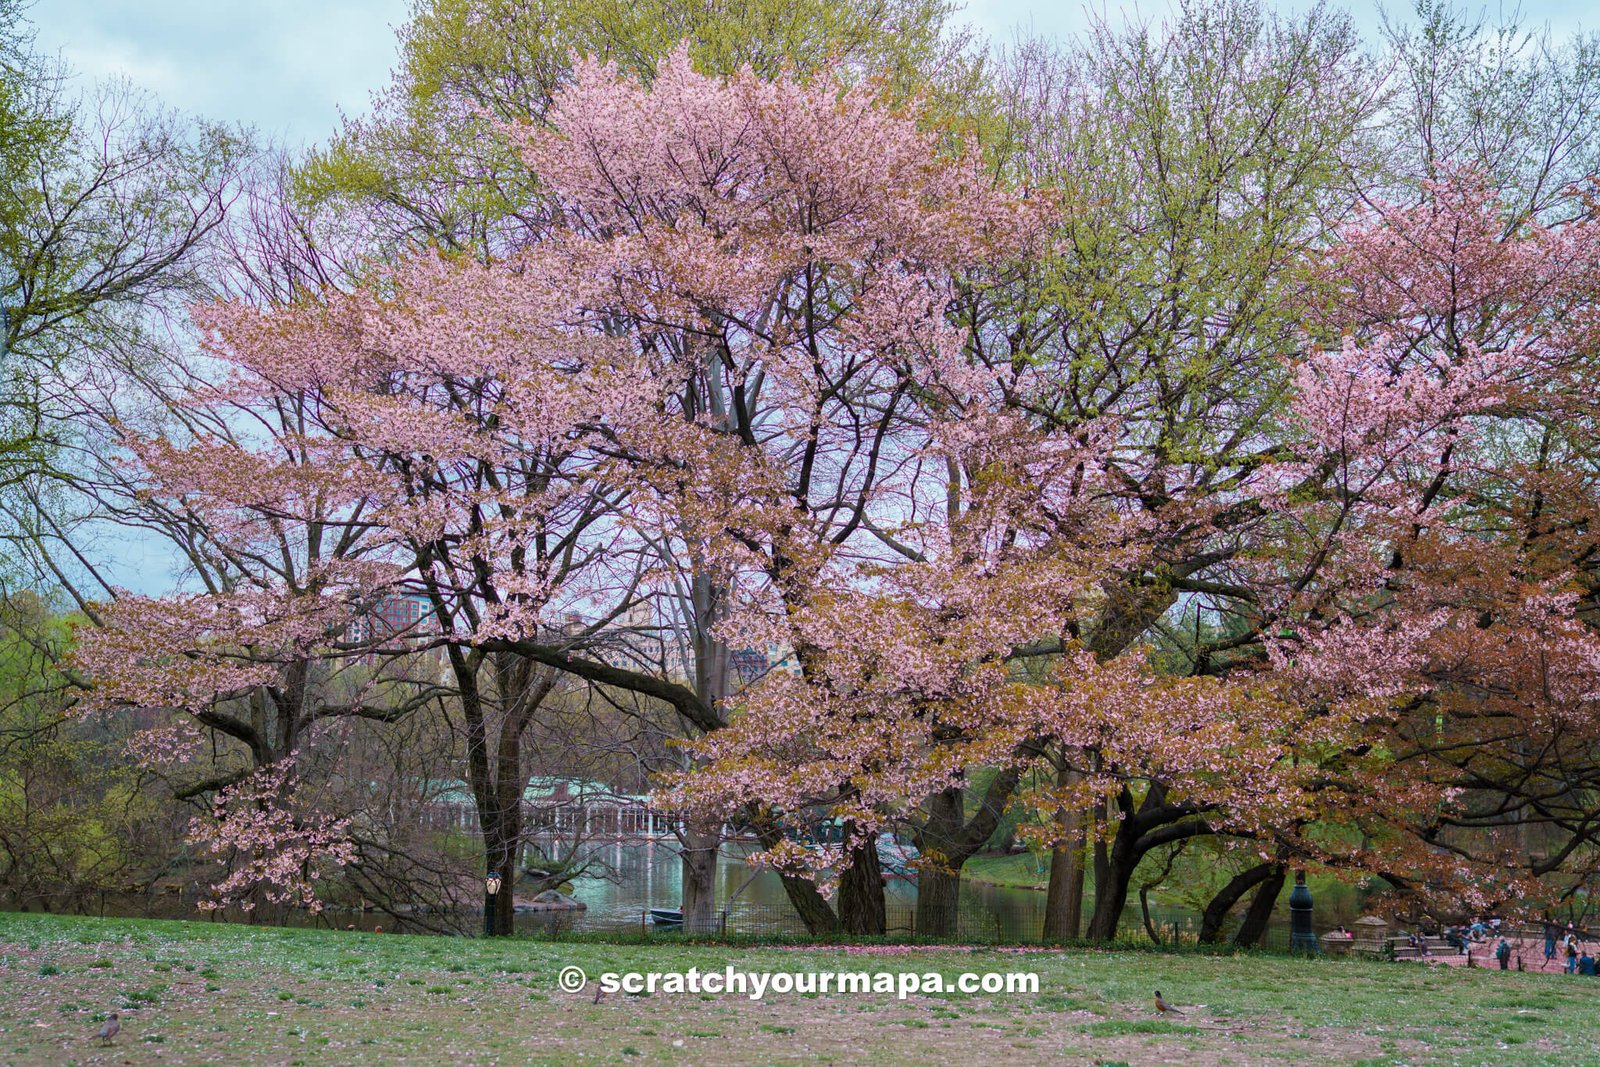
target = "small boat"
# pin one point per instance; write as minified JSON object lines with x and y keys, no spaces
{"x":667,"y":916}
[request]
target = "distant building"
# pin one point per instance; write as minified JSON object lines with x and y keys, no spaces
{"x":748,"y":665}
{"x":394,"y":618}
{"x":569,"y":807}
{"x":644,"y":639}
{"x":782,"y":659}
{"x":641,"y":641}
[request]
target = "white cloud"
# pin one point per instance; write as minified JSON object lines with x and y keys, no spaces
{"x":287,"y":67}
{"x":101,"y":59}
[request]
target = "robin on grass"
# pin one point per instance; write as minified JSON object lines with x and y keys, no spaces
{"x":1163,"y":1008}
{"x":109,"y":1029}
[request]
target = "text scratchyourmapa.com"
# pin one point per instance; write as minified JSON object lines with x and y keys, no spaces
{"x":757,"y":984}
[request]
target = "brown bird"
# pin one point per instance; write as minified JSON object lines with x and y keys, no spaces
{"x":1163,"y":1008}
{"x":110,"y":1028}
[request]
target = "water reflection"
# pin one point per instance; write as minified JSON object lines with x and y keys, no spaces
{"x":644,"y":875}
{"x":630,"y":878}
{"x":633,"y":877}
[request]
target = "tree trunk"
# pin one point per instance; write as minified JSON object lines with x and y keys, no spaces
{"x":939,"y":877}
{"x":947,"y":839}
{"x":1110,"y":897}
{"x":938,"y":900}
{"x":494,"y":765}
{"x":500,"y":826}
{"x":1144,"y":913}
{"x":862,"y":911}
{"x":502,"y":859}
{"x":1113,"y":871}
{"x":812,"y":906}
{"x":1063,"y":904}
{"x":1152,"y":823}
{"x":1215,"y":916}
{"x":700,"y":842}
{"x":701,"y":839}
{"x":1261,"y":905}
{"x":813,"y":909}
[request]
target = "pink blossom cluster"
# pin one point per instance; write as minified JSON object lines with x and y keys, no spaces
{"x":270,"y":851}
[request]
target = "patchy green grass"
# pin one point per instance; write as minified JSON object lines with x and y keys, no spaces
{"x":200,"y":993}
{"x":1021,"y":870}
{"x":1190,"y":885}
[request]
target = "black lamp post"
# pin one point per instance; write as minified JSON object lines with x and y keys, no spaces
{"x":1301,"y":937}
{"x":491,"y":893}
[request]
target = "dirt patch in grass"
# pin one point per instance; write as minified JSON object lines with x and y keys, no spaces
{"x":194,"y":994}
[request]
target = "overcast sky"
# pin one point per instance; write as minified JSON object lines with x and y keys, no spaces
{"x":289,"y":66}
{"x":285,"y":66}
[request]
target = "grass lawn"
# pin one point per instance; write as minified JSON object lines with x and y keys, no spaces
{"x":1336,"y":901}
{"x":1019,"y":870}
{"x":198,"y":993}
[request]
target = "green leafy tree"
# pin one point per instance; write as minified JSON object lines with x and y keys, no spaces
{"x":1518,"y":103}
{"x":76,"y":817}
{"x":1199,"y":160}
{"x":108,"y":205}
{"x":429,"y":165}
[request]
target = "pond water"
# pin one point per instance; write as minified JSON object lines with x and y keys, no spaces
{"x":634,"y":877}
{"x":643,"y":875}
{"x":629,"y":878}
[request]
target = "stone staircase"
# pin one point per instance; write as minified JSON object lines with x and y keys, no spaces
{"x":1400,"y":948}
